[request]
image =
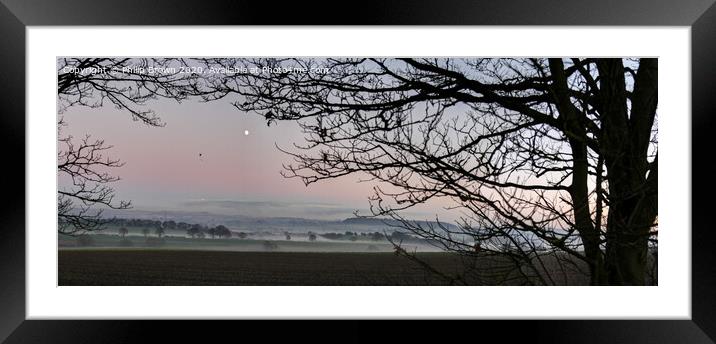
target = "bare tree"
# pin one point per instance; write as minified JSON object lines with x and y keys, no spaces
{"x":127,"y":84}
{"x":551,"y":162}
{"x":83,"y":164}
{"x":159,"y":231}
{"x":222,"y":231}
{"x":212,"y":232}
{"x":194,"y":230}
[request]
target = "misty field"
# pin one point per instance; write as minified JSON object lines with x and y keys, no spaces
{"x":275,"y":243}
{"x":194,"y":267}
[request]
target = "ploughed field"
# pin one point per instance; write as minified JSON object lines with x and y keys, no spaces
{"x":139,"y":266}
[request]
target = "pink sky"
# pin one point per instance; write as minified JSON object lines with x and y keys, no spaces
{"x":163,"y":169}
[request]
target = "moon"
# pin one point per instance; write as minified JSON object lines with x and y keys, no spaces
{"x":246,"y":133}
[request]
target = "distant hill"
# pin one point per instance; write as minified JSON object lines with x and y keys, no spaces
{"x":276,"y":224}
{"x":372,"y":221}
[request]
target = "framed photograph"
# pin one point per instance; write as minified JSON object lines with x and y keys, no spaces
{"x":421,"y":171}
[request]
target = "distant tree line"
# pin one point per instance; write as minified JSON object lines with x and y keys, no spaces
{"x":193,"y":230}
{"x":354,"y":236}
{"x":200,"y":231}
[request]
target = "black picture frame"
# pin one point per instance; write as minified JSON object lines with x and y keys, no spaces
{"x":16,"y":15}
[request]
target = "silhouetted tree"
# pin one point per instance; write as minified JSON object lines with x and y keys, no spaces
{"x":123,"y":231}
{"x":222,"y":232}
{"x":145,"y":232}
{"x":311,"y":236}
{"x":83,"y":163}
{"x":560,"y":153}
{"x":194,"y":230}
{"x":159,"y":231}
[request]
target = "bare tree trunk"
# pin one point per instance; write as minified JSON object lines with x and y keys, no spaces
{"x":624,"y":144}
{"x":579,"y":190}
{"x":606,"y":120}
